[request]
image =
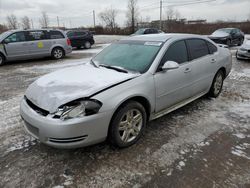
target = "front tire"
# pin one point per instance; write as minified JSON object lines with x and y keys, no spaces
{"x":127,"y":125}
{"x":217,"y":84}
{"x":87,"y":45}
{"x":2,"y":59}
{"x":57,"y":53}
{"x":229,"y":43}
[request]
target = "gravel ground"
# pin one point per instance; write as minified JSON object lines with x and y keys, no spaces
{"x":204,"y":144}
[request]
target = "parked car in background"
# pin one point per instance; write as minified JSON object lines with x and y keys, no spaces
{"x":228,"y":36}
{"x":29,"y":44}
{"x":244,"y":51}
{"x":81,"y":39}
{"x":132,"y":81}
{"x":145,"y":31}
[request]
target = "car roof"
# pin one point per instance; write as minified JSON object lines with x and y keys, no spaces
{"x":162,"y":37}
{"x":17,"y":30}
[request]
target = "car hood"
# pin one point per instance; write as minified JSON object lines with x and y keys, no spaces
{"x":246,"y":45}
{"x":63,"y":86}
{"x":219,"y":34}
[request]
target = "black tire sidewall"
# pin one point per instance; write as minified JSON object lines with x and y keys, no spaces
{"x":211,"y":91}
{"x":114,"y":137}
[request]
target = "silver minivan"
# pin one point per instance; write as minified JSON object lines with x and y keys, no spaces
{"x":28,"y":44}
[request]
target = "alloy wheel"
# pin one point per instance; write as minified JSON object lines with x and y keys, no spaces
{"x":218,"y":84}
{"x":58,"y":53}
{"x":130,"y":125}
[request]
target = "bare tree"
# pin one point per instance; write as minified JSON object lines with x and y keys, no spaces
{"x":177,"y":15}
{"x":44,"y":20}
{"x":12,"y":21}
{"x":25,"y":21}
{"x":132,"y":14}
{"x":170,"y":13}
{"x":108,"y":17}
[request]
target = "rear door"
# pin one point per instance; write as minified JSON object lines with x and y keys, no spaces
{"x":39,"y":43}
{"x":16,"y":46}
{"x":173,"y":86}
{"x":202,"y":65}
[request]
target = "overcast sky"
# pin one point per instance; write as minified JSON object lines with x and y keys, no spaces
{"x":79,"y":12}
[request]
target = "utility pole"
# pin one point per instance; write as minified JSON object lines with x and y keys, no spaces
{"x":57,"y":21}
{"x":94,"y":17}
{"x":160,"y":14}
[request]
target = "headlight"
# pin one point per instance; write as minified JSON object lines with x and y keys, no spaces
{"x":243,"y":49}
{"x":78,"y":109}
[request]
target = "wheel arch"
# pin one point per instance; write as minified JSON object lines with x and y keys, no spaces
{"x":57,"y":46}
{"x":140,"y":99}
{"x":2,"y":54}
{"x":223,"y":69}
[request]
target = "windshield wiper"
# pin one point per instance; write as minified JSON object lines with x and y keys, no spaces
{"x":94,"y":63}
{"x":119,"y":69}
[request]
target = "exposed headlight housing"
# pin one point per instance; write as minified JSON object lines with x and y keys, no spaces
{"x":78,"y":109}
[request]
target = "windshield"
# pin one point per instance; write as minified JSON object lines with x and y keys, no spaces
{"x":225,"y":30}
{"x":5,"y":34}
{"x":140,"y":32}
{"x":131,"y":56}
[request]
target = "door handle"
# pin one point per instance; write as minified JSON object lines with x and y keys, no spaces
{"x":213,"y":60}
{"x":187,"y":70}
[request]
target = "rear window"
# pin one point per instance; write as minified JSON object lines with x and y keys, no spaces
{"x":37,"y":35}
{"x":80,"y":33}
{"x":55,"y":35}
{"x":198,"y":48}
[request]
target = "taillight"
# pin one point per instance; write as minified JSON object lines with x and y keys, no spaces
{"x":69,"y":42}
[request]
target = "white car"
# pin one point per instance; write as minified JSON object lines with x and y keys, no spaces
{"x":244,"y":51}
{"x":129,"y":83}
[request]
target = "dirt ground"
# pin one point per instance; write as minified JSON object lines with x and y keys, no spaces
{"x":204,"y":144}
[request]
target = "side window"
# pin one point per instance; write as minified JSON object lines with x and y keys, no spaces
{"x":212,"y":48}
{"x":36,"y":35}
{"x":147,"y":31}
{"x":176,"y":52}
{"x":16,"y":37}
{"x":197,"y":48}
{"x":55,"y":35}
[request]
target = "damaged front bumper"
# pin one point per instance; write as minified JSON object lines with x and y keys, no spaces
{"x":74,"y":133}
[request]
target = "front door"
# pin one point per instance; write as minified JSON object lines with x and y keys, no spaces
{"x":16,"y":47}
{"x":173,"y":86}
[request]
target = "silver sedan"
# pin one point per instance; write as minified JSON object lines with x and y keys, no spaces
{"x":129,"y":83}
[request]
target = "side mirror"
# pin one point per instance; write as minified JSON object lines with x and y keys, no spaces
{"x":170,"y":65}
{"x":5,"y":41}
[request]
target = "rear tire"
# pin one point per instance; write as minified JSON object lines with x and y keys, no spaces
{"x":57,"y":53}
{"x":217,"y":84}
{"x":2,"y":59}
{"x":127,"y":125}
{"x":87,"y":45}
